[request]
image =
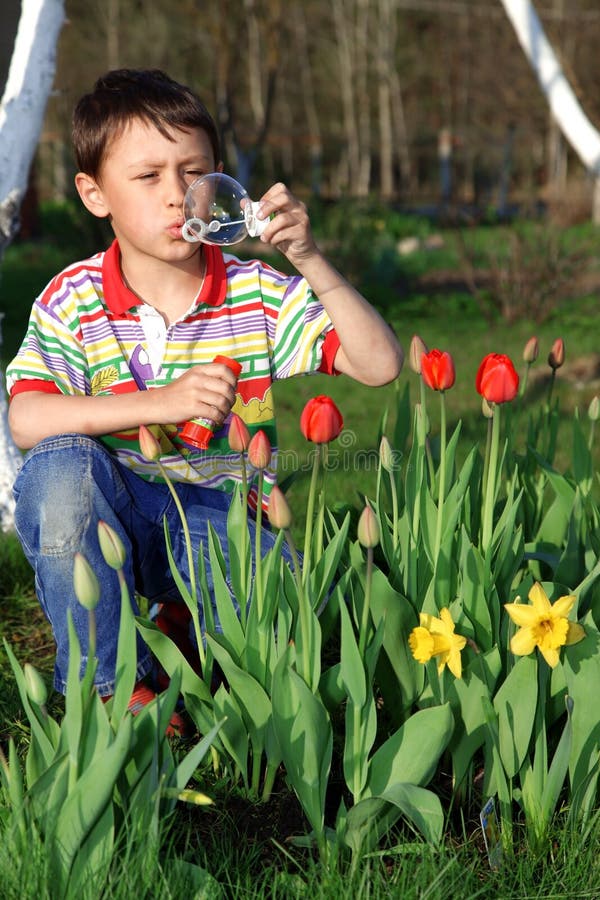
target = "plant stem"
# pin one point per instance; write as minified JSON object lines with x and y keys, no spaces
{"x":269,"y":781}
{"x":191,"y":564}
{"x":303,"y":611}
{"x":442,"y":478}
{"x":424,"y":431}
{"x":550,"y":389}
{"x":490,"y":490}
{"x":310,"y":511}
{"x":394,"y":510}
{"x":244,"y":547}
{"x":257,"y":547}
{"x":258,"y":582}
{"x":364,"y":622}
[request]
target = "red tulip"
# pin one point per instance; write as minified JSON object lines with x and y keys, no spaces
{"x":238,"y":434}
{"x":497,"y":380}
{"x":321,"y":421}
{"x":556,"y":357}
{"x":259,"y":451}
{"x":437,"y":370}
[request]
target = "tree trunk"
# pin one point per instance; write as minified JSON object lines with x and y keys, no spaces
{"x":21,"y":117}
{"x":385,"y":65}
{"x":574,"y":124}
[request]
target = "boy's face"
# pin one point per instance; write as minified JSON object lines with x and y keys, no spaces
{"x":142,"y":183}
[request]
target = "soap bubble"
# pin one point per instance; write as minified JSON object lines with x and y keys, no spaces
{"x":218,"y":210}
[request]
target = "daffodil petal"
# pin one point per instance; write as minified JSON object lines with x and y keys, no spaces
{"x":455,"y":662}
{"x":521,"y":614}
{"x":446,"y":618}
{"x":441,"y":644}
{"x":432,"y":624}
{"x":459,"y":641}
{"x":523,"y":642}
{"x":562,"y":606}
{"x":420,"y":642}
{"x":550,"y":655}
{"x":575,"y":633}
{"x":539,"y":599}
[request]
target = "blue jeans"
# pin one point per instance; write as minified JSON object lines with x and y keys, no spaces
{"x":66,"y":486}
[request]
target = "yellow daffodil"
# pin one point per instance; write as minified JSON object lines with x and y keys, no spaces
{"x":543,"y":624}
{"x":436,"y":637}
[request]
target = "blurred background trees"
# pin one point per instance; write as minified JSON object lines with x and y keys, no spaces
{"x":420,"y":102}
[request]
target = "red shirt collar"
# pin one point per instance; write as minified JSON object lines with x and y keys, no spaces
{"x":119,"y":298}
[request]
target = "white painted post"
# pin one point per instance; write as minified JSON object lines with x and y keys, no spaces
{"x":571,"y":119}
{"x":22,"y":111}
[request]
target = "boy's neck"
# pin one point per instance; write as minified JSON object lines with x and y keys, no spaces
{"x":171,"y":290}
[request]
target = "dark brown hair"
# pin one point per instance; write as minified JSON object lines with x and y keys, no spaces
{"x":126,"y":94}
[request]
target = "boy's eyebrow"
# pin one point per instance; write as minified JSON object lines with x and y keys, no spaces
{"x":196,"y":160}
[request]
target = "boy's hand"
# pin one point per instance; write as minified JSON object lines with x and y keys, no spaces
{"x":206,"y":392}
{"x":289,"y":230}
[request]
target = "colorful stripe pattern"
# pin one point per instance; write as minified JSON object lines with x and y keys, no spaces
{"x":85,"y":337}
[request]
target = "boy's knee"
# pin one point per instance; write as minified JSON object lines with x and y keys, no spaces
{"x":54,"y":493}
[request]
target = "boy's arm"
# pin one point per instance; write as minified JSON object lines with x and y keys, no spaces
{"x":203,"y":391}
{"x":369,"y":351}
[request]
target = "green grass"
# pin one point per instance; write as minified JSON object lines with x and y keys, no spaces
{"x":244,"y":868}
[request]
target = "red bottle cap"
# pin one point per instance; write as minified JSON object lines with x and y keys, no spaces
{"x":196,"y":435}
{"x":231,"y":364}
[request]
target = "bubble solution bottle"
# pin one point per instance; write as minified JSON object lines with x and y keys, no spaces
{"x":198,"y":432}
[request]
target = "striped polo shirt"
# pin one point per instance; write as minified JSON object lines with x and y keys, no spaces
{"x":89,"y":334}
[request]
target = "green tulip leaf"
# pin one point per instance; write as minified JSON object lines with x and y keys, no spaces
{"x":405,"y":757}
{"x":465,"y":694}
{"x":515,"y":704}
{"x":231,"y":632}
{"x":305,"y":739}
{"x":87,"y":799}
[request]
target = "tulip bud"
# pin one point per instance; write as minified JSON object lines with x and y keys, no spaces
{"x":35,"y":684}
{"x":416,"y":351}
{"x":238,"y":434}
{"x":531,"y":350}
{"x":386,"y":454}
{"x":111,"y":546}
{"x":280,"y":515}
{"x":594,"y":409}
{"x":368,"y":528}
{"x":149,"y":445}
{"x":556,"y":357}
{"x":259,"y":451}
{"x":85,"y":583}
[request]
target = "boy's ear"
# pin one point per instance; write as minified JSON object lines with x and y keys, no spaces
{"x":91,"y":195}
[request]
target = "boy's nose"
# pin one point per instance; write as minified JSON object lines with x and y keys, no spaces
{"x":176,"y":188}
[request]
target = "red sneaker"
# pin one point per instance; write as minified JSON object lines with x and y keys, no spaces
{"x":142,"y":696}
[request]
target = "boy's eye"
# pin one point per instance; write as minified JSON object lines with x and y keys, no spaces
{"x":147,"y":175}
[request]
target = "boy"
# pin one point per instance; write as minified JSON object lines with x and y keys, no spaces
{"x":128,"y":337}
